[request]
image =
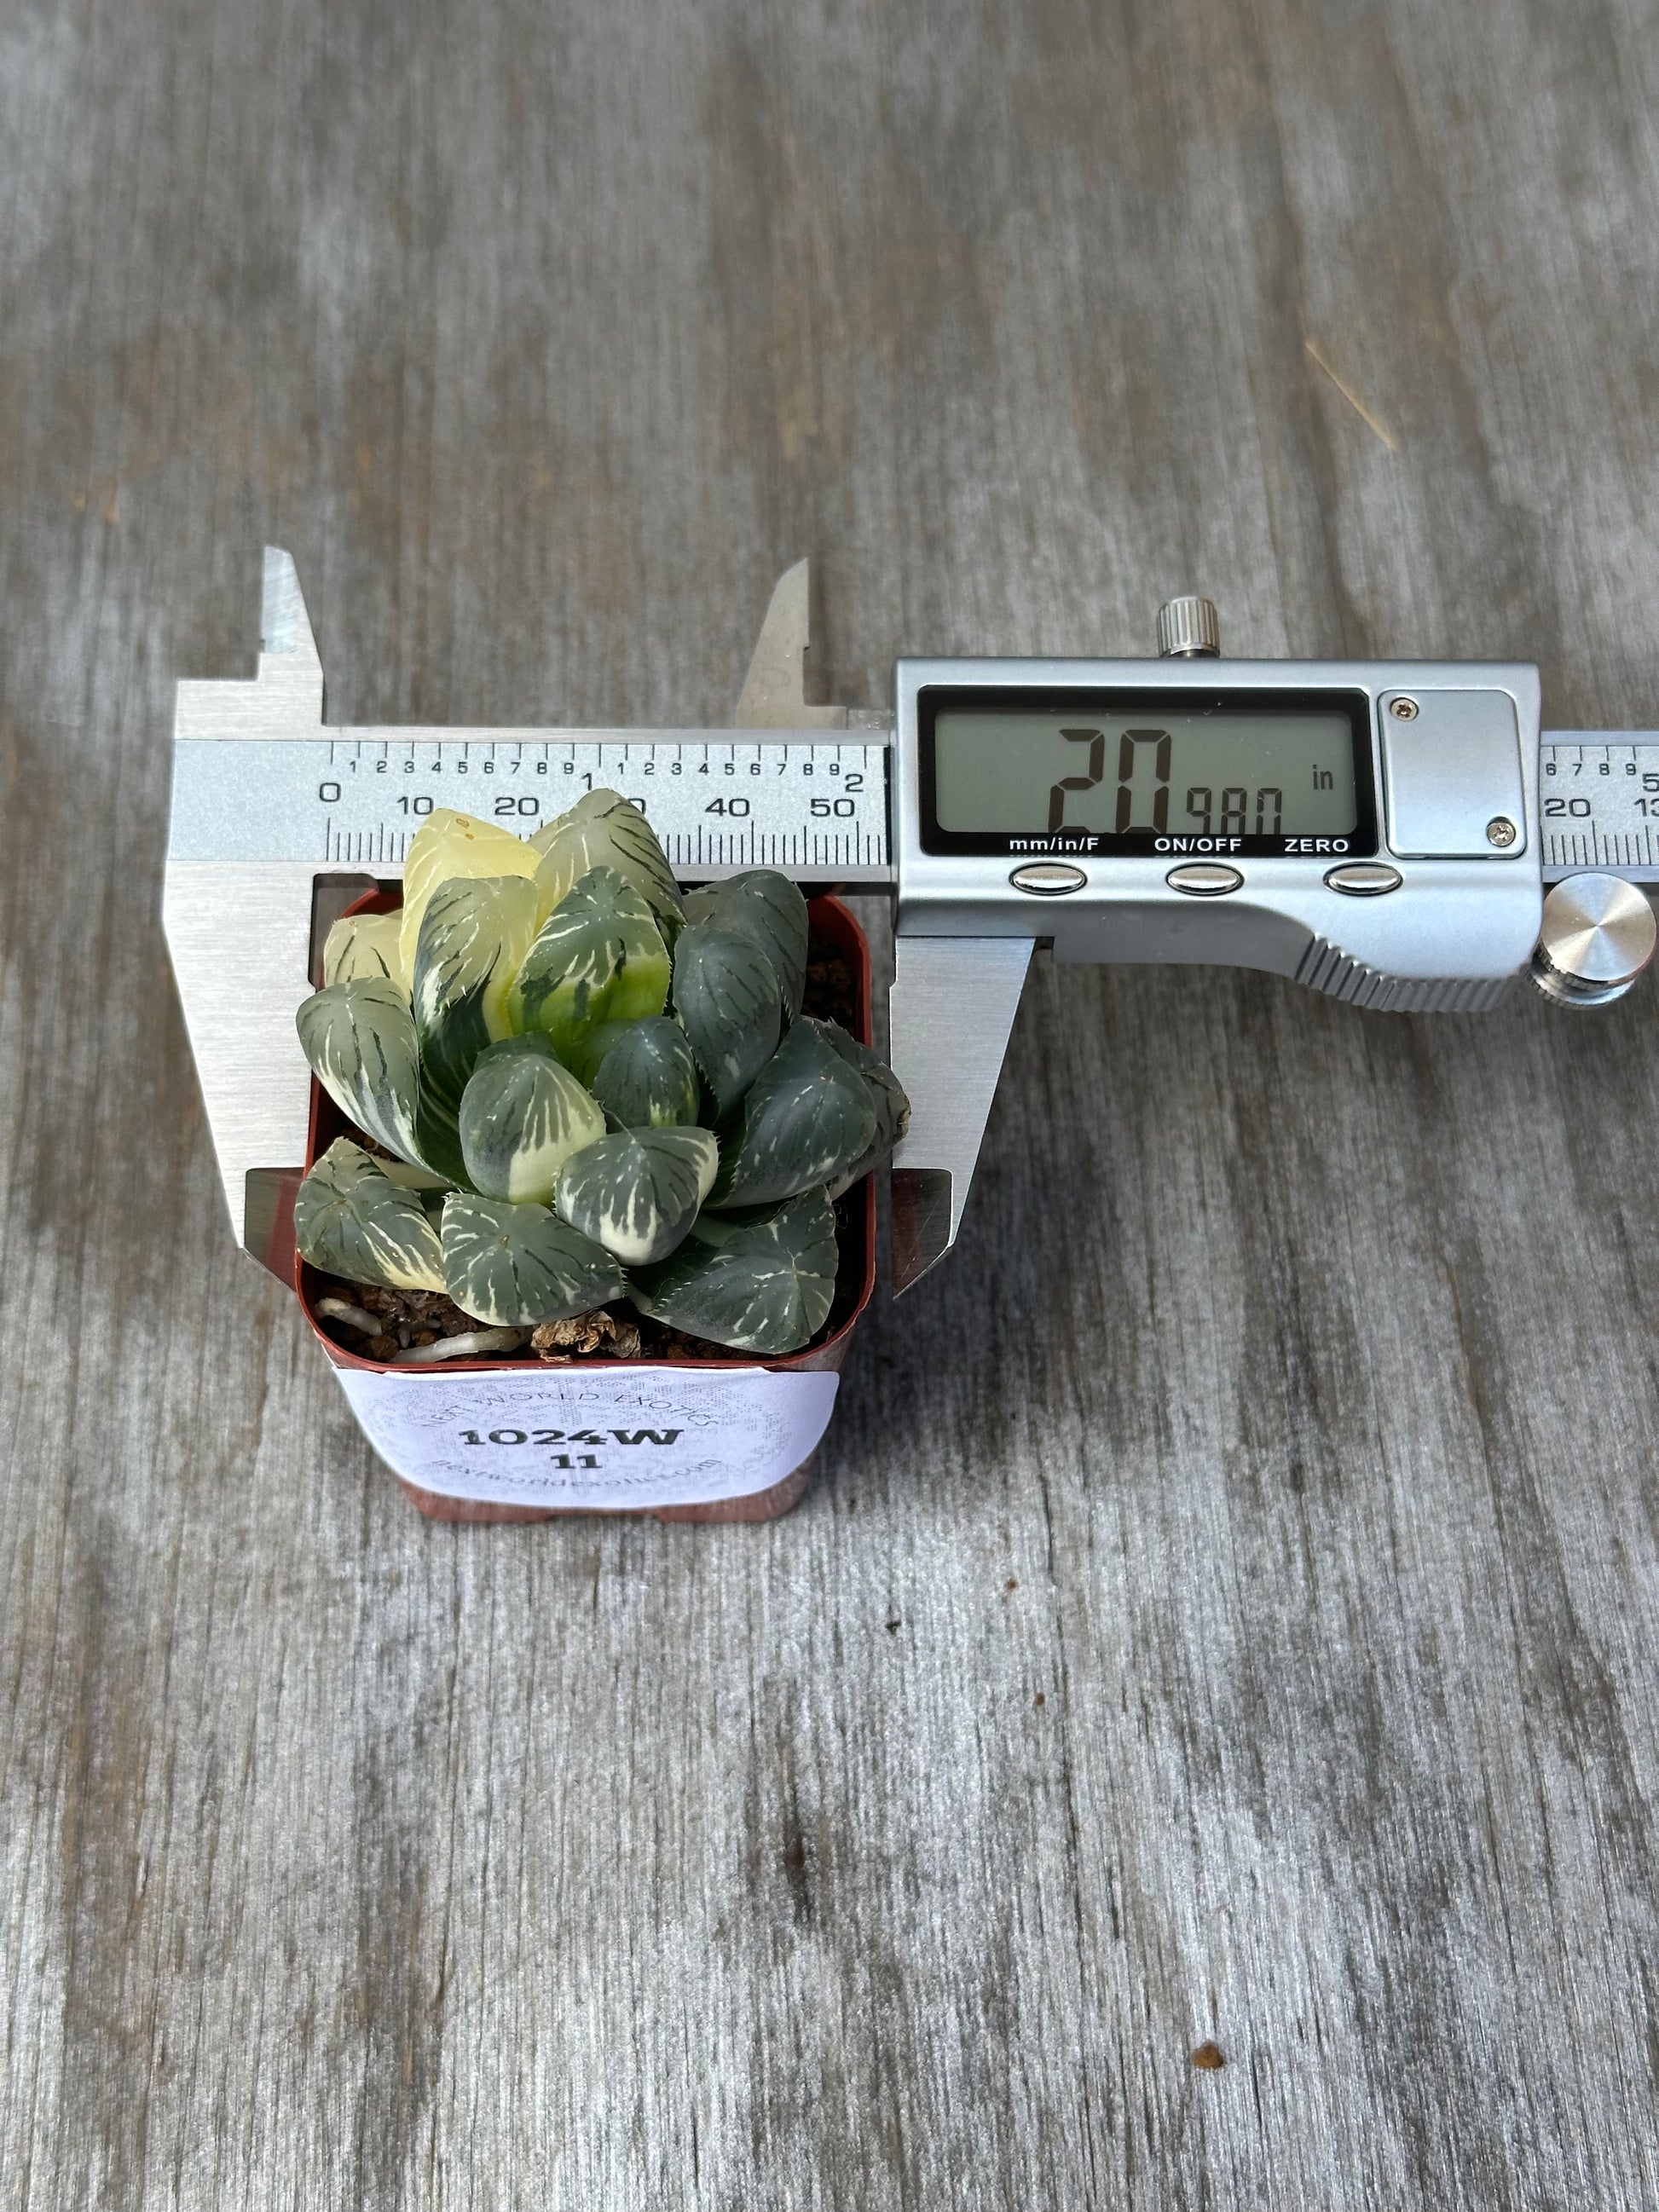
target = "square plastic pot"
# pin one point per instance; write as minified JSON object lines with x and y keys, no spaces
{"x":725,"y":1438}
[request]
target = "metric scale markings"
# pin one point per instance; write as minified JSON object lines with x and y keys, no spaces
{"x":815,"y":807}
{"x":1599,"y":799}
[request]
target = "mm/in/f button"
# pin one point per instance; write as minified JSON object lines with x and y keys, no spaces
{"x":1047,"y":878}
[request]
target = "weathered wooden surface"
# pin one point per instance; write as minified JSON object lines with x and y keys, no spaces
{"x":1228,"y":1607}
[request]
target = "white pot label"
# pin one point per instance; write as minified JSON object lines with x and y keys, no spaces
{"x":637,"y":1438}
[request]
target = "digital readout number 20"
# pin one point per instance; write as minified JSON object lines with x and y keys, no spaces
{"x":1200,"y":797}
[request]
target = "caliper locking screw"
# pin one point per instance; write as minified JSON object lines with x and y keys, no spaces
{"x":1501,"y":831}
{"x":1403,"y":710}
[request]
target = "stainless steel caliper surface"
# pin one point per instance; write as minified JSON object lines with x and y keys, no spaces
{"x":1382,"y":831}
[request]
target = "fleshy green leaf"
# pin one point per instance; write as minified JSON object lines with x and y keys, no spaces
{"x":360,"y":1039}
{"x":603,"y":829}
{"x":598,"y":957}
{"x":808,"y":1115}
{"x":522,"y":1114}
{"x":764,"y":1285}
{"x":365,"y":945}
{"x":449,"y":845}
{"x":647,"y":1077}
{"x":473,"y":939}
{"x":726,"y":993}
{"x":637,"y":1193}
{"x":588,"y":1051}
{"x":768,"y":907}
{"x":892,"y":1107}
{"x":514,"y":1266}
{"x":352,"y":1220}
{"x":438,"y":1134}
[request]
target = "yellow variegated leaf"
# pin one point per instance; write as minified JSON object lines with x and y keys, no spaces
{"x":474,"y":936}
{"x":447,"y":845}
{"x":360,"y":1039}
{"x":523,"y":1113}
{"x":365,"y":945}
{"x":351,"y":1219}
{"x":637,"y":1193}
{"x":603,"y":831}
{"x":599,"y":957}
{"x":514,"y":1265}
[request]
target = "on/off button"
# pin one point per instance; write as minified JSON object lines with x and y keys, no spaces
{"x":1203,"y":879}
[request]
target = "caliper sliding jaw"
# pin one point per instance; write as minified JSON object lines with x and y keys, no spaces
{"x":953,"y":998}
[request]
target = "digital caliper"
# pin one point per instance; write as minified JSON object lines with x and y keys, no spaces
{"x":1383,"y":832}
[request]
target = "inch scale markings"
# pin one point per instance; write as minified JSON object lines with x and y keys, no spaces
{"x":815,"y":807}
{"x":1599,"y":798}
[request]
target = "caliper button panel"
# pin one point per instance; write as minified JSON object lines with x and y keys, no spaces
{"x":1451,"y":768}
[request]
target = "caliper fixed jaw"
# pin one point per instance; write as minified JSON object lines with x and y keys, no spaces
{"x":239,"y":1005}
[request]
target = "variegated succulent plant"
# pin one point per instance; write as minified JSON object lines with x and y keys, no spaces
{"x":581,"y":1088}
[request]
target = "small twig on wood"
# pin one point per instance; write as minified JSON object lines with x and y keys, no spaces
{"x":1373,"y":422}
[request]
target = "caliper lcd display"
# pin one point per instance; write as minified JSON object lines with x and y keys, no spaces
{"x":1150,"y":772}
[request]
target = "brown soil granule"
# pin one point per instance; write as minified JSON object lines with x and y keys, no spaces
{"x":413,"y":1317}
{"x":832,"y":992}
{"x":406,"y":1317}
{"x":659,"y":1341}
{"x":586,"y":1336}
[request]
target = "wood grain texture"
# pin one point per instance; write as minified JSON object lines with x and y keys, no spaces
{"x":1227,"y":1606}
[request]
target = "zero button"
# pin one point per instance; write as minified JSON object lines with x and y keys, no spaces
{"x":1365,"y":878}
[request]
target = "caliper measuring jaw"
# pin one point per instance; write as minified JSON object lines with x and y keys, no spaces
{"x":951,"y":1011}
{"x":238,"y":1016}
